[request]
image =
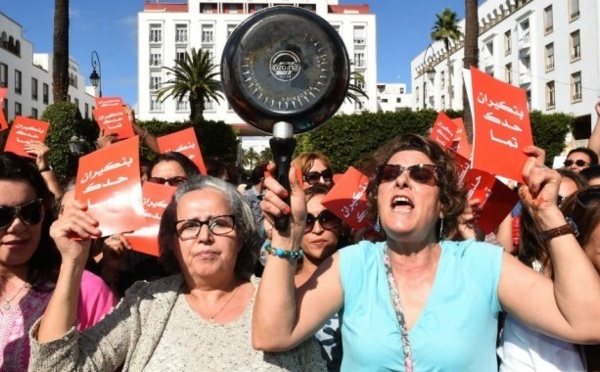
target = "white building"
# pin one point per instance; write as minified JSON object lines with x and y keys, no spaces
{"x":534,"y":44}
{"x":393,"y":97}
{"x":28,"y":76}
{"x":166,"y":30}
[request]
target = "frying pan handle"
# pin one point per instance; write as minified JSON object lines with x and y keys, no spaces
{"x":283,"y":150}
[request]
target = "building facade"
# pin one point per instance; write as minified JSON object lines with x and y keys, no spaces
{"x":167,"y":30}
{"x":28,"y":76}
{"x":393,"y":97}
{"x":534,"y":44}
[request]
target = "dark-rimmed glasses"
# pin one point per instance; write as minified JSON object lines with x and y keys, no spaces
{"x":421,"y":173}
{"x":313,"y":178}
{"x":218,"y":225}
{"x":173,"y":181}
{"x":327,"y":220}
{"x":578,"y":162}
{"x":31,"y":213}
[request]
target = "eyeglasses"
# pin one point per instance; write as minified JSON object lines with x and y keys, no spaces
{"x":218,"y":225}
{"x":314,"y":177}
{"x":31,"y":213}
{"x":578,"y":162}
{"x":173,"y":181}
{"x":327,"y":220}
{"x":421,"y":173}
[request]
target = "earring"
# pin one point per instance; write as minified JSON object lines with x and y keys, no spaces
{"x":441,"y":234}
{"x":377,"y":226}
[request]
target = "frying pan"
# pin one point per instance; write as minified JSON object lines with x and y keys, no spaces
{"x":285,"y":70}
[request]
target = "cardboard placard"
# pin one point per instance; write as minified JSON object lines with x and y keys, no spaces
{"x":348,"y":198}
{"x":23,"y":131}
{"x":108,"y":181}
{"x":444,"y":130}
{"x":102,"y":102}
{"x":114,"y":120}
{"x":184,"y":142}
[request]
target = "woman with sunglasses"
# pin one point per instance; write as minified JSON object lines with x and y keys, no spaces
{"x":315,"y":168}
{"x":197,"y":319}
{"x":321,"y":239}
{"x":29,"y":262}
{"x":417,"y":301}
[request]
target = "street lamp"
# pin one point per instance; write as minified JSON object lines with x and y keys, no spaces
{"x":428,"y":74}
{"x":78,"y":146}
{"x":96,"y":77}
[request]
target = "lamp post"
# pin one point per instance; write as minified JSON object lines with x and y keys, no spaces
{"x":96,"y":77}
{"x":78,"y":146}
{"x":428,"y":74}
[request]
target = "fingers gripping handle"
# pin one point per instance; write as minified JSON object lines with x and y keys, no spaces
{"x":283,"y":150}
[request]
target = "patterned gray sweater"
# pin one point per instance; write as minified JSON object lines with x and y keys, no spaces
{"x":130,"y":334}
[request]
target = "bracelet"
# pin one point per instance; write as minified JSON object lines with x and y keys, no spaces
{"x":569,"y":228}
{"x":282,"y":253}
{"x":144,"y":136}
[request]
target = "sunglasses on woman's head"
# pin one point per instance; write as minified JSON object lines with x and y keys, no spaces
{"x":421,"y":173}
{"x":327,"y":220}
{"x":173,"y":181}
{"x":31,"y":213}
{"x":314,"y":177}
{"x":578,"y":162}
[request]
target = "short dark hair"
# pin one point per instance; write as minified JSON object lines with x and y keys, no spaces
{"x":591,"y":173}
{"x":244,"y":224}
{"x":579,"y":180}
{"x":590,"y":153}
{"x":44,"y":263}
{"x":453,"y":195}
{"x":188,"y":166}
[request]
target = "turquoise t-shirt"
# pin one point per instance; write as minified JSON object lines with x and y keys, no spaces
{"x":456,"y":330}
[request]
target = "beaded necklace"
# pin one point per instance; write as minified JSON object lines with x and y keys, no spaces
{"x":395,"y":296}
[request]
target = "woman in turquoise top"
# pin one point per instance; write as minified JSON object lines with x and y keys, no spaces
{"x":418,"y":301}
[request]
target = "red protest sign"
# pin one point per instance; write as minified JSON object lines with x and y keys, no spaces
{"x":501,"y":126}
{"x":156,"y":197}
{"x":185,"y":142}
{"x":23,"y":131}
{"x":461,"y":144}
{"x":108,"y":181}
{"x":114,"y":120}
{"x":102,"y":102}
{"x":444,"y":130}
{"x":348,"y":199}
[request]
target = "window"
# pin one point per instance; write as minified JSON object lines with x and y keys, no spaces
{"x":155,"y":81}
{"x":507,"y":42}
{"x":34,"y":89}
{"x":575,"y":46}
{"x":73,"y":80}
{"x":573,"y":9}
{"x":181,"y":33}
{"x":180,"y":54}
{"x":34,"y":113}
{"x":550,"y":95}
{"x":360,"y":35}
{"x":210,"y":105}
{"x":443,"y":79}
{"x":207,"y":8}
{"x":182,"y":105}
{"x":384,"y":100}
{"x":550,"y":57}
{"x":45,"y":93}
{"x":155,"y":33}
{"x":548,"y":21}
{"x":76,"y":103}
{"x":489,"y":47}
{"x":359,"y":60}
{"x":358,"y":106}
{"x":18,"y":109}
{"x":417,"y":95}
{"x":508,"y":73}
{"x":155,"y":104}
{"x":576,"y":87}
{"x":207,"y":34}
{"x":18,"y":82}
{"x":3,"y":75}
{"x":398,"y":100}
{"x":86,"y":111}
{"x":155,"y":57}
{"x":230,"y":29}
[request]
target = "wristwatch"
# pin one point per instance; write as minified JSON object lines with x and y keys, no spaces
{"x":569,"y":228}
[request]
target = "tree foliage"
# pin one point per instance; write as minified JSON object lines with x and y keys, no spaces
{"x":193,"y":78}
{"x":446,"y":29}
{"x":549,"y":131}
{"x":356,"y":88}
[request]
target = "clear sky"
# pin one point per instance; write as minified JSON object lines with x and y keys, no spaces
{"x":110,"y":28}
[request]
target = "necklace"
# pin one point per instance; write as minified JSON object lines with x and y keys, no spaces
{"x":212,"y":318}
{"x":6,"y":306}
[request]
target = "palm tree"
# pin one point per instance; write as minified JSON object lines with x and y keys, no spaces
{"x":265,"y":155}
{"x":471,"y":57}
{"x":447,"y":30}
{"x":193,"y":77}
{"x":250,"y":158}
{"x":60,"y":60}
{"x":355,"y":88}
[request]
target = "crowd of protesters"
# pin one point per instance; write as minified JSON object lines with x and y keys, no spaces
{"x":423,"y":290}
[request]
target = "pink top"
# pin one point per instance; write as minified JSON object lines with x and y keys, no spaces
{"x":95,"y":300}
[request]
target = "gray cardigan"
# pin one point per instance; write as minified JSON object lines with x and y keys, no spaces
{"x":129,"y":335}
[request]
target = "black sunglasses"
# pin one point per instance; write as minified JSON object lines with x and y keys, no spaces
{"x":421,"y":173}
{"x":578,"y":162}
{"x":327,"y":220}
{"x":31,"y":213}
{"x":314,"y":177}
{"x":173,"y":181}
